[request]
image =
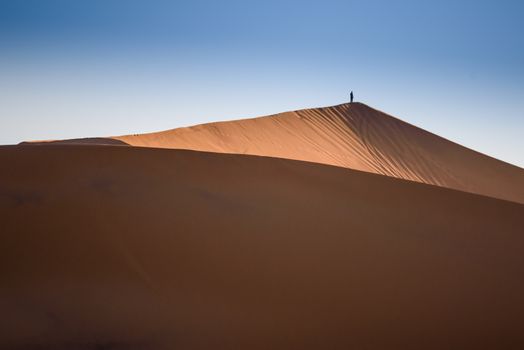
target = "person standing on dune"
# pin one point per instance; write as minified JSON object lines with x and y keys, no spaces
{"x":351,"y":97}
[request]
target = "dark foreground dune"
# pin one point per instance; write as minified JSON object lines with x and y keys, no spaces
{"x":133,"y":248}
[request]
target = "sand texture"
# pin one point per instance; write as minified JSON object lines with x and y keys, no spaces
{"x":353,"y":136}
{"x":108,"y":247}
{"x":327,"y":228}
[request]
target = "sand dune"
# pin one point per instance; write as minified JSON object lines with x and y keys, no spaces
{"x":353,"y":136}
{"x":83,"y":141}
{"x":136,"y":248}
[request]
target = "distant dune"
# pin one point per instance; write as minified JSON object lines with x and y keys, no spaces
{"x":352,"y":136}
{"x":132,"y":248}
{"x":83,"y":141}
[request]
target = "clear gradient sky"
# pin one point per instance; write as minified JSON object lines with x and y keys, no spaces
{"x":107,"y":67}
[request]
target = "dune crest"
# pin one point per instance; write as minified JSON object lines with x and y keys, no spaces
{"x":101,"y":141}
{"x":353,"y":136}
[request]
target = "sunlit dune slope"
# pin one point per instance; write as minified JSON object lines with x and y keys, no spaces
{"x":353,"y":136}
{"x":135,"y":248}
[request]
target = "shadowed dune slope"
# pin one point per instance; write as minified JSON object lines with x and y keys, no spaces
{"x":135,"y":248}
{"x":107,"y":141}
{"x":353,"y":136}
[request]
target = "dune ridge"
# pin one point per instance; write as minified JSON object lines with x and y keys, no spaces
{"x":353,"y":136}
{"x":108,"y":141}
{"x":137,"y":248}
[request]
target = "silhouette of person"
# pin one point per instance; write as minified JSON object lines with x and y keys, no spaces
{"x":351,"y":97}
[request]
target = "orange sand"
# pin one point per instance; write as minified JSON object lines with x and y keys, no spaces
{"x":136,"y":248}
{"x":352,"y":136}
{"x":288,"y":236}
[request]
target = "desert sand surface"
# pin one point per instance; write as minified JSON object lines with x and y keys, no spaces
{"x":107,"y":247}
{"x":353,"y":136}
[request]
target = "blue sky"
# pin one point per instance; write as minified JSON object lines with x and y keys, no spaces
{"x":108,"y":67}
